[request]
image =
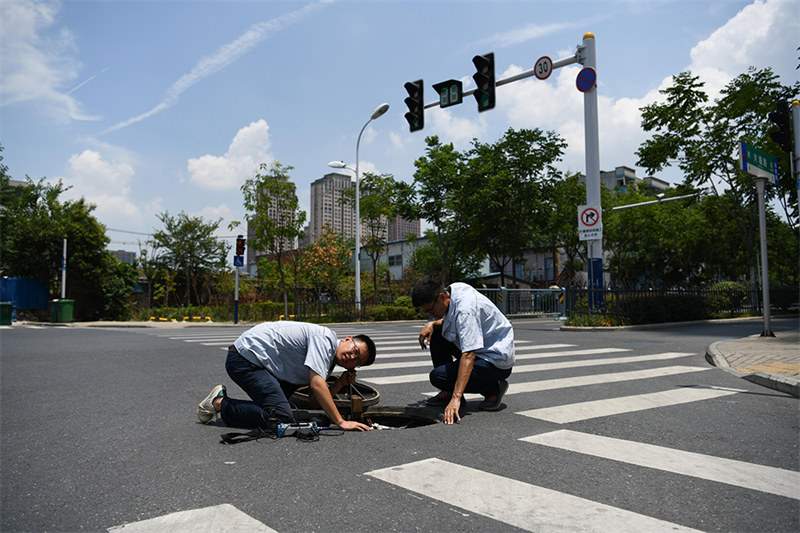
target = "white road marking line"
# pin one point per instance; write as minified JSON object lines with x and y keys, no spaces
{"x":738,"y":473}
{"x":224,"y":517}
{"x":513,"y":502}
{"x":574,"y":412}
{"x":560,"y":383}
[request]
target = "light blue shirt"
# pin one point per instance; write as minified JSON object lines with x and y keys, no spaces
{"x":289,"y":349}
{"x":474,"y":324}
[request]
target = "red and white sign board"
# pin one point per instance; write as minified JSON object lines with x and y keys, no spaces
{"x":590,"y":222}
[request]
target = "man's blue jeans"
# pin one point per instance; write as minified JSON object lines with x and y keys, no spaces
{"x":268,"y":394}
{"x":485,"y":378}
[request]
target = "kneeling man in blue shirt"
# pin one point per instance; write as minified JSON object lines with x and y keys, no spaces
{"x":471,"y":342}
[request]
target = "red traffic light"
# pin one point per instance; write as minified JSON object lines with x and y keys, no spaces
{"x":240,"y":242}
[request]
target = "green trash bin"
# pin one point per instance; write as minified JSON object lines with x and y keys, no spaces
{"x":61,"y":310}
{"x":5,"y":313}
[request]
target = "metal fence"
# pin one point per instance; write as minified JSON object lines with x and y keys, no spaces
{"x":527,"y":302}
{"x":648,"y":306}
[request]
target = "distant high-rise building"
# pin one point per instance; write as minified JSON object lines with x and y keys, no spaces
{"x":400,"y":228}
{"x":327,"y":206}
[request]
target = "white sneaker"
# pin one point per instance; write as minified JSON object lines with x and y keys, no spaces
{"x":206,"y":411}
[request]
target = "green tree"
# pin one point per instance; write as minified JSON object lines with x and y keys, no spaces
{"x":325,"y":262}
{"x":654,"y":244}
{"x":562,"y":220}
{"x":702,"y":139}
{"x":435,"y":196}
{"x":376,"y":208}
{"x":35,"y":223}
{"x":506,"y":195}
{"x":274,"y":216}
{"x":187,"y":246}
{"x":118,"y":288}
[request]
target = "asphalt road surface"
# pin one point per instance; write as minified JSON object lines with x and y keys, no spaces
{"x":609,"y":431}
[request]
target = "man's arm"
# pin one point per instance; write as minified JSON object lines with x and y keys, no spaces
{"x":464,"y":373}
{"x":427,"y":332}
{"x":320,"y":389}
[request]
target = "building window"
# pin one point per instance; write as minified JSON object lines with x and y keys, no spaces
{"x":396,"y":260}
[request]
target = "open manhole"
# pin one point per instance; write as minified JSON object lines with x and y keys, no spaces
{"x":389,"y":417}
{"x":359,"y":402}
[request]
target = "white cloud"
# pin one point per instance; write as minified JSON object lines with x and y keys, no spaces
{"x":517,"y":36}
{"x":39,"y":61}
{"x":763,"y":34}
{"x":107,"y":185}
{"x":246,"y":152}
{"x":458,"y":130}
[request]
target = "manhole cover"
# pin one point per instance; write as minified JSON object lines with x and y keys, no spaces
{"x":342,"y":399}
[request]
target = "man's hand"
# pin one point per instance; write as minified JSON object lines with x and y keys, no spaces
{"x":451,"y":411}
{"x":352,"y":425}
{"x":348,"y":378}
{"x":425,"y":335}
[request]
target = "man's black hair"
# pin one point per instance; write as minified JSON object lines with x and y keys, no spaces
{"x":425,"y":292}
{"x":370,"y":348}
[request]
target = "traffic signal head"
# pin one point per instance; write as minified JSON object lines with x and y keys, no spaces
{"x":240,"y":242}
{"x":416,"y":105}
{"x":484,"y":79}
{"x":782,"y":133}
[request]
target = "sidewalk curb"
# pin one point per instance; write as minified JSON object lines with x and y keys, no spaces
{"x":765,"y":379}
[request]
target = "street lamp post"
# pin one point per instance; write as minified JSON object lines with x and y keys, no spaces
{"x":380,"y":110}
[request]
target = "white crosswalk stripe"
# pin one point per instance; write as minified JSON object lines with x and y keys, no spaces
{"x":560,"y":383}
{"x":756,"y":477}
{"x":516,"y":503}
{"x":574,"y":412}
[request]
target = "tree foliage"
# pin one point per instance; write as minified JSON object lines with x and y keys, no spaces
{"x":376,"y":209}
{"x":702,"y":139}
{"x":274,"y":216}
{"x":35,"y":222}
{"x":507,"y":194}
{"x":325,"y":262}
{"x":188,"y":249}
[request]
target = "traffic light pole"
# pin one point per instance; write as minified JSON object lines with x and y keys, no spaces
{"x":236,"y":297}
{"x":517,"y":77}
{"x":586,"y":55}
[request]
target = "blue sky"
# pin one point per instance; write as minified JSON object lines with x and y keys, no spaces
{"x":151,"y":106}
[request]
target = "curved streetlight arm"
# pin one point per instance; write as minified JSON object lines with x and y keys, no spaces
{"x":379,"y":111}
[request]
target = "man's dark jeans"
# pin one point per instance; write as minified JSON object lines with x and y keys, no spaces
{"x":485,"y":378}
{"x":269,"y":395}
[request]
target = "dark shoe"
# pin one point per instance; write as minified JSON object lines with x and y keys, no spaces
{"x":443,"y":398}
{"x":493,"y":402}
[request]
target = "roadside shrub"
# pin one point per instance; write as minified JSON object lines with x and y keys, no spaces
{"x":381,"y":313}
{"x":726,"y":298}
{"x":404,"y":301}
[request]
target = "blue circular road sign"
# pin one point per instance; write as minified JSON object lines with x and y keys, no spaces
{"x":586,"y":79}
